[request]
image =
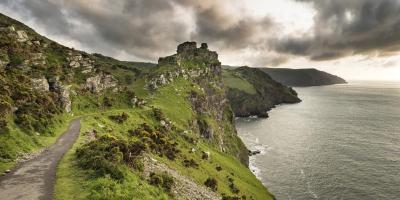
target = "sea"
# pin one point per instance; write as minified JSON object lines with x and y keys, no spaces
{"x":341,"y":142}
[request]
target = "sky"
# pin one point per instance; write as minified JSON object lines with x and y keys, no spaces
{"x":355,"y":39}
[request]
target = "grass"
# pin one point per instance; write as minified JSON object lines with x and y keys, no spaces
{"x":16,"y":141}
{"x":234,"y":81}
{"x":76,"y":183}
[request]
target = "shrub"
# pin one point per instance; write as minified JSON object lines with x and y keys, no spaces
{"x":107,"y":154}
{"x":163,"y":180}
{"x":119,"y":118}
{"x":232,"y":198}
{"x":158,"y":114}
{"x":157,"y":141}
{"x":190,"y":163}
{"x":211,"y":183}
{"x":232,"y":186}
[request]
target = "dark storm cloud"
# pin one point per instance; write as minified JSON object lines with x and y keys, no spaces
{"x":348,"y":27}
{"x":146,"y":29}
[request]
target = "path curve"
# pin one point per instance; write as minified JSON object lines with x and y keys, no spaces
{"x":35,"y":179}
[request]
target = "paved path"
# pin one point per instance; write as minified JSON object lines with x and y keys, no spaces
{"x":35,"y":179}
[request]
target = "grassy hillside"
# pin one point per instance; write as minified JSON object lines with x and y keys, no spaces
{"x":162,"y":131}
{"x":252,"y":92}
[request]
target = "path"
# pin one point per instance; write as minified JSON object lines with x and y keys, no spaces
{"x":35,"y":179}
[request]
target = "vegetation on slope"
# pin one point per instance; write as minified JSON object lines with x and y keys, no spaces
{"x":138,"y":120}
{"x":252,"y":92}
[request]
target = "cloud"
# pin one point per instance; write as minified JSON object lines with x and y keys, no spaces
{"x":347,"y":27}
{"x":144,"y":29}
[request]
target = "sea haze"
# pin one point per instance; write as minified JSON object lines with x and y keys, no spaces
{"x":341,"y":142}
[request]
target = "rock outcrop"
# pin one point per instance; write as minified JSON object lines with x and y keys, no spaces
{"x":100,"y":82}
{"x":63,"y":92}
{"x":40,"y":84}
{"x":214,"y":118}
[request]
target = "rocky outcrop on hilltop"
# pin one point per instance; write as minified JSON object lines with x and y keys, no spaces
{"x":214,"y":118}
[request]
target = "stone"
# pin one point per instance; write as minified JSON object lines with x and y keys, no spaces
{"x":74,"y":64}
{"x":22,"y":36}
{"x":186,"y":46}
{"x":7,"y":171}
{"x":204,"y":46}
{"x":36,"y":43}
{"x":63,"y":92}
{"x":253,"y":153}
{"x":11,"y":28}
{"x":99,"y":83}
{"x":40,"y":84}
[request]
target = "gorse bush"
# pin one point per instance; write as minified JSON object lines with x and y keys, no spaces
{"x":119,"y":118}
{"x":107,"y":155}
{"x":157,"y":141}
{"x":163,"y":180}
{"x":211,"y":183}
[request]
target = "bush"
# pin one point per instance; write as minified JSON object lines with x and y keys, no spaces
{"x":158,"y":114}
{"x":232,"y":186}
{"x":232,"y":198}
{"x":162,"y":180}
{"x":108,"y":154}
{"x":190,"y":163}
{"x":211,"y":183}
{"x":119,"y":118}
{"x":157,"y":141}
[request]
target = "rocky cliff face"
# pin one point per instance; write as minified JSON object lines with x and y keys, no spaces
{"x":39,"y":75}
{"x":251,"y":92}
{"x":213,"y":115}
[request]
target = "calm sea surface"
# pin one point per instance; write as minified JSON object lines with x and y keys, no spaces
{"x":341,"y":142}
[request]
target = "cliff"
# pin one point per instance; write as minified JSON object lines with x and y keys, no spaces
{"x":162,"y":131}
{"x":302,"y":77}
{"x":251,"y":92}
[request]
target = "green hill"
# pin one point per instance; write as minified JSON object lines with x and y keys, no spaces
{"x":162,"y":131}
{"x":302,"y":77}
{"x":253,"y":92}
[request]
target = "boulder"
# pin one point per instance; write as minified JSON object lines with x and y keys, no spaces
{"x":99,"y":83}
{"x":22,"y":36}
{"x":40,"y":84}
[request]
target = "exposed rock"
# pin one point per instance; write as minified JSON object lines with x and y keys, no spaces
{"x":22,"y":36}
{"x":100,"y":82}
{"x":184,"y":187}
{"x":187,"y":47}
{"x":40,"y":84}
{"x":36,"y":42}
{"x":75,"y":60}
{"x":37,"y":59}
{"x":63,"y":92}
{"x":253,"y":153}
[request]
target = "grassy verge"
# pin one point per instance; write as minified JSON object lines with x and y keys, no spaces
{"x":16,"y":142}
